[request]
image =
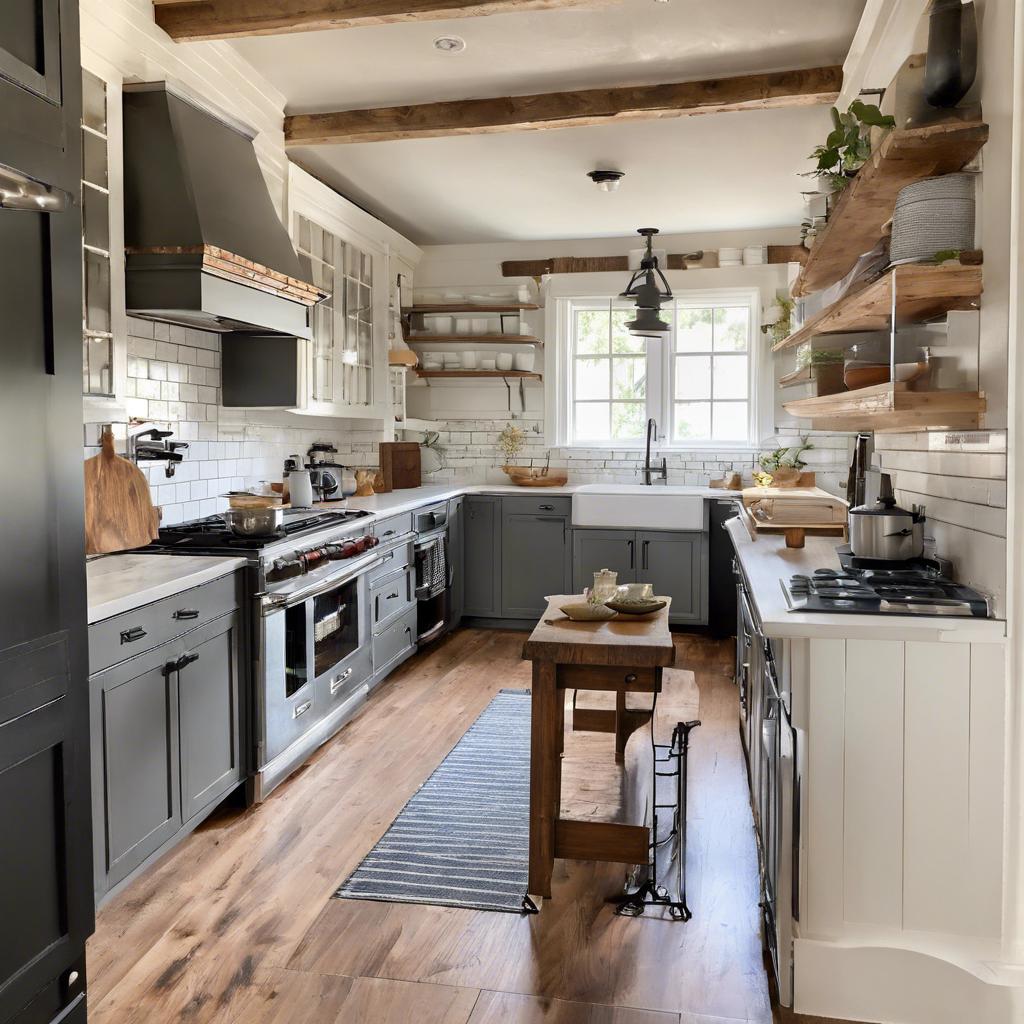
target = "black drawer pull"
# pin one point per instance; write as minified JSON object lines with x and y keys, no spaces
{"x":187,"y":613}
{"x":388,"y":533}
{"x":129,"y":636}
{"x":392,"y":597}
{"x":546,"y":508}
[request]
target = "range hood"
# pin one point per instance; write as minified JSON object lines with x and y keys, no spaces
{"x":203,"y":243}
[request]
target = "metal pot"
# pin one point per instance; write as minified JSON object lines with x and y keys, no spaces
{"x":254,"y":522}
{"x":884,"y":531}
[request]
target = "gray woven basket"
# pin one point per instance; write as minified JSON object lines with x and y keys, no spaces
{"x":933,"y":215}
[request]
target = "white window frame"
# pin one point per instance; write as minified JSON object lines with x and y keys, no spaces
{"x":660,"y":361}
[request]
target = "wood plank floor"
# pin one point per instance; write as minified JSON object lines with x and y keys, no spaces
{"x":237,"y":923}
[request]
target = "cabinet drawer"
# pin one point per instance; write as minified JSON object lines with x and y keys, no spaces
{"x":390,"y":596}
{"x":395,"y":526}
{"x":397,"y":640}
{"x":125,"y":636}
{"x":399,"y":557}
{"x":550,"y":504}
{"x":336,"y":687}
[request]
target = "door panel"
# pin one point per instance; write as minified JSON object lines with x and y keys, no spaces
{"x":674,"y":563}
{"x":135,"y":714}
{"x":209,"y":720}
{"x":593,"y":550}
{"x":482,"y":539}
{"x":43,"y":802}
{"x":30,"y":46}
{"x":534,"y":563}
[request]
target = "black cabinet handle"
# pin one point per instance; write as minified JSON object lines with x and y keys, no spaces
{"x":184,"y":661}
{"x":129,"y":636}
{"x":187,"y":613}
{"x":647,"y":544}
{"x":393,"y":597}
{"x":632,"y":554}
{"x":546,"y":508}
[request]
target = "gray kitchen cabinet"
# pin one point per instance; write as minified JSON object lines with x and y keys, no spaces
{"x":136,"y":796}
{"x":676,"y":563}
{"x":535,"y":562}
{"x":457,"y":560}
{"x":209,"y":722}
{"x":166,"y":724}
{"x":593,"y":550}
{"x":482,"y":557}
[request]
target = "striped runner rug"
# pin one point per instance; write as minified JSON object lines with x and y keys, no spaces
{"x":463,"y":839}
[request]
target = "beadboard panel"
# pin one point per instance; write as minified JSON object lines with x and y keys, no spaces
{"x":873,"y":804}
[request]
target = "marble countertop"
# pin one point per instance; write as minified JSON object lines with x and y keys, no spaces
{"x":767,"y":561}
{"x":119,"y":583}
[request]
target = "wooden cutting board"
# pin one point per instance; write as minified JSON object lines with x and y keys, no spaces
{"x":399,"y":465}
{"x":119,"y":512}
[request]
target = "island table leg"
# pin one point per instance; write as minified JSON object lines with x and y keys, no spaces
{"x":545,"y":774}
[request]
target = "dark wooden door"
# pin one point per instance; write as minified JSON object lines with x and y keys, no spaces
{"x":45,"y":860}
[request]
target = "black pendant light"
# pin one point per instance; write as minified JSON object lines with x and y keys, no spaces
{"x":644,"y":288}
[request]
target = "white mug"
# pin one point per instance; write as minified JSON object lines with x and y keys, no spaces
{"x":504,"y":361}
{"x":469,"y":360}
{"x":524,"y":361}
{"x":486,"y":364}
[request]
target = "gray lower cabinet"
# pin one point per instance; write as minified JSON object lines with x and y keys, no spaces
{"x":535,"y":562}
{"x":482,"y":556}
{"x":167,"y":743}
{"x":675,"y":562}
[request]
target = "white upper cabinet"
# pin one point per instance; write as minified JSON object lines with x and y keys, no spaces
{"x":353,"y":257}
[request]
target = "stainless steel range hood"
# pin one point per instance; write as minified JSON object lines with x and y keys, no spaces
{"x":203,"y":243}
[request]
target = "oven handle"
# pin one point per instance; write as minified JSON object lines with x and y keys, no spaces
{"x":276,"y":602}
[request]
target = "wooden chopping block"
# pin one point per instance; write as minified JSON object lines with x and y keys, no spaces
{"x":399,"y":465}
{"x":119,"y":512}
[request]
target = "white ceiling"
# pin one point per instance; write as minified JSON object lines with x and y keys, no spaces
{"x":686,"y":174}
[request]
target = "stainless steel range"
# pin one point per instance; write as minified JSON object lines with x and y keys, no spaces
{"x":309,"y":625}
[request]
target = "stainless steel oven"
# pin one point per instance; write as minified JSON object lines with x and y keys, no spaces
{"x":433,"y":572}
{"x":313,"y":663}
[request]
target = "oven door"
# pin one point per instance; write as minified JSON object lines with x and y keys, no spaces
{"x":312,"y":644}
{"x":433,"y":584}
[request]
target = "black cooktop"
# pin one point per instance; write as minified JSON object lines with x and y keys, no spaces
{"x":212,"y":535}
{"x":915,"y":591}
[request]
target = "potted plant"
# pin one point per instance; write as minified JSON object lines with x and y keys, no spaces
{"x":511,"y":442}
{"x":826,"y":369}
{"x":782,"y":467}
{"x":778,"y":319}
{"x":848,"y":144}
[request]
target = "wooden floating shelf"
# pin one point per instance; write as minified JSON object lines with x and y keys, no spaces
{"x":893,"y":408}
{"x":922,"y":291}
{"x":512,"y":307}
{"x":419,"y":426}
{"x":801,"y":376}
{"x":473,"y":339}
{"x":905,"y":156}
{"x":486,"y":374}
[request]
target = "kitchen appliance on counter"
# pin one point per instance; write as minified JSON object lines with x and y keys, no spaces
{"x":326,"y":474}
{"x":434,"y":574}
{"x":309,"y":625}
{"x":885,"y":532}
{"x":901,"y":591}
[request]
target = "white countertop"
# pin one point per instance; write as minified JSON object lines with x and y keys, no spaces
{"x":767,"y":561}
{"x":119,"y":583}
{"x":414,"y":497}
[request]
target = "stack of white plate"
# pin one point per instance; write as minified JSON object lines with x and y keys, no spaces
{"x":755,"y":255}
{"x":730,"y":257}
{"x":933,"y":215}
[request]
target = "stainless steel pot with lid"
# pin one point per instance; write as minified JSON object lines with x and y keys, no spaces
{"x":884,"y":531}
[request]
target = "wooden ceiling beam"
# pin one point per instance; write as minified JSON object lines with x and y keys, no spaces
{"x":801,"y":88}
{"x":194,"y":20}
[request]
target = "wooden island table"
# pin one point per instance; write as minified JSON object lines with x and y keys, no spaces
{"x":623,"y":655}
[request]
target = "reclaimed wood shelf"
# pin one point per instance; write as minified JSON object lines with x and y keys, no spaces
{"x":791,"y":380}
{"x":904,"y":156}
{"x":473,"y":339}
{"x":469,"y":307}
{"x":468,"y":374}
{"x":921,"y":291}
{"x":891,"y":407}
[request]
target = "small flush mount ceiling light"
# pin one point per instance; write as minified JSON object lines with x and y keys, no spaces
{"x":649,"y":288}
{"x":606,"y":181}
{"x":450,"y":44}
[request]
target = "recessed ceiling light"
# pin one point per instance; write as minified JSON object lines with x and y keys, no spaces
{"x":450,"y":44}
{"x":606,"y":181}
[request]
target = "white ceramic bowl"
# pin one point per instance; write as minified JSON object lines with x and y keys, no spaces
{"x":503,"y":361}
{"x":524,"y":361}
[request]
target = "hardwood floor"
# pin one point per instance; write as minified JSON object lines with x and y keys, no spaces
{"x":238,"y":925}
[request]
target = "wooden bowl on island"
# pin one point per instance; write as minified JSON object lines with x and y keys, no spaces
{"x":530,"y":476}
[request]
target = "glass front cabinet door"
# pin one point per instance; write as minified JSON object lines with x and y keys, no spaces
{"x":347,"y":359}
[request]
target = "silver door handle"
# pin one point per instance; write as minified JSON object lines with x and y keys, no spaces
{"x":301,"y":709}
{"x":337,"y":681}
{"x":20,"y":192}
